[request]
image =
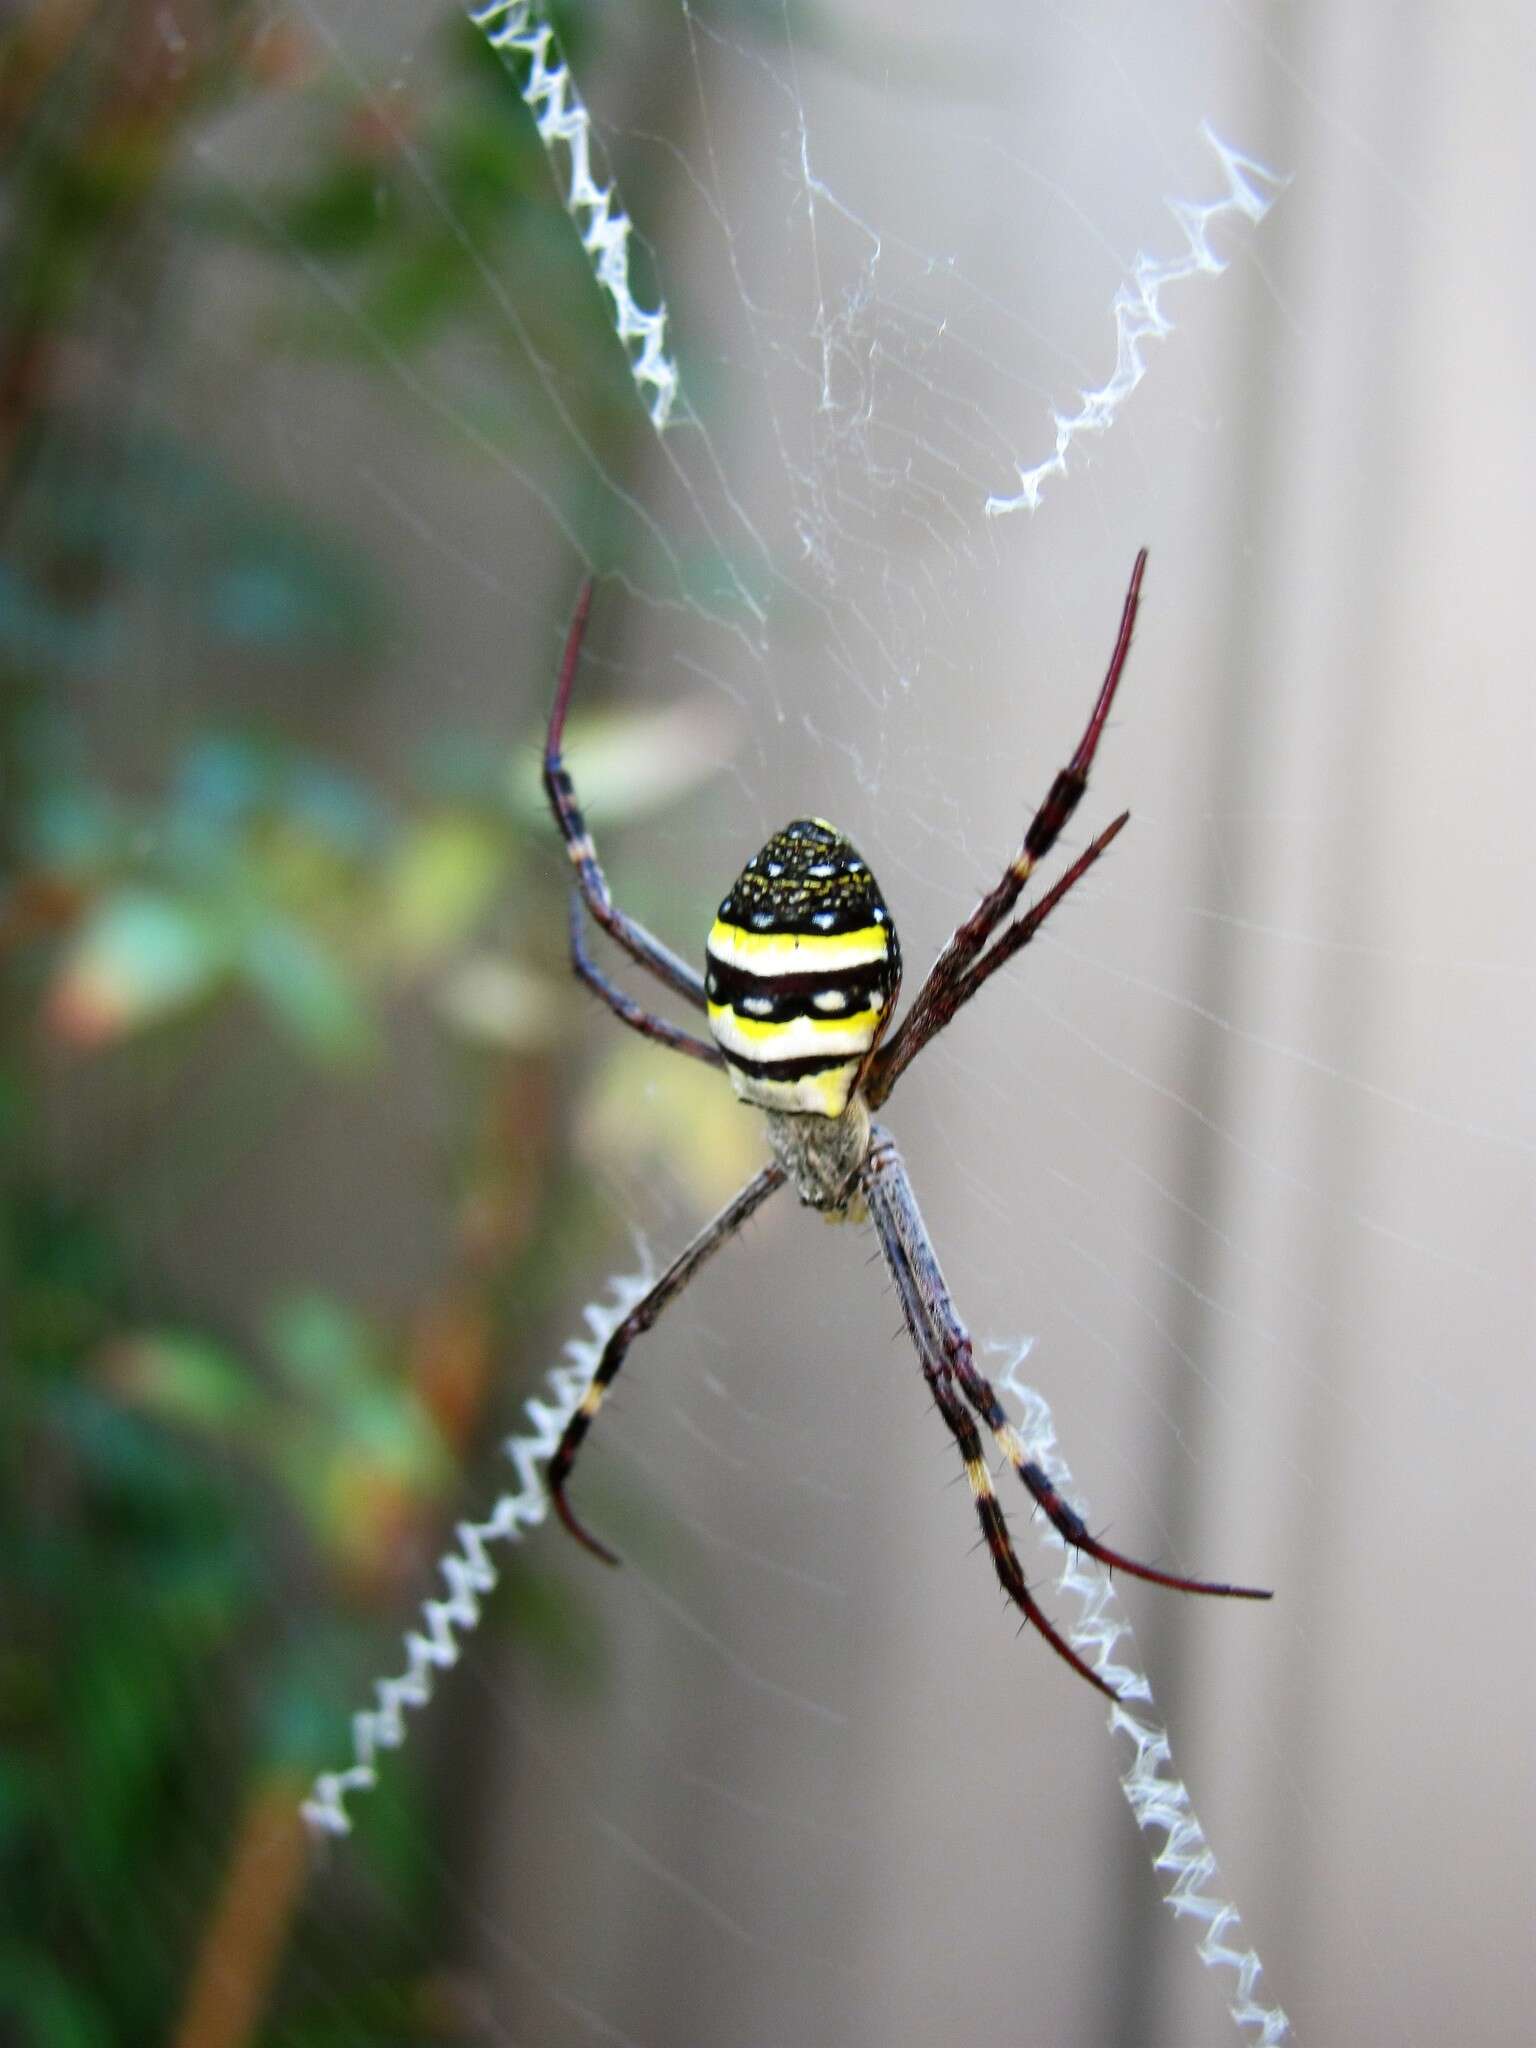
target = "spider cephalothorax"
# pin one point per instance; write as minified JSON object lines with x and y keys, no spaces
{"x":802,"y":972}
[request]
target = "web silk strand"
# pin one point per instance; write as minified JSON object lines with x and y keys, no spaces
{"x":1158,"y":1799}
{"x":1138,"y":312}
{"x":526,"y":45}
{"x":468,"y":1569}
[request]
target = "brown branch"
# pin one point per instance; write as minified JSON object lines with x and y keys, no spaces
{"x":244,"y":1940}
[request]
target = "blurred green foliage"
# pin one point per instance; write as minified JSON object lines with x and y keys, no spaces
{"x":210,"y":1534}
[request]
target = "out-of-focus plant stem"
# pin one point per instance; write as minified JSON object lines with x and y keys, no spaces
{"x":254,"y":1911}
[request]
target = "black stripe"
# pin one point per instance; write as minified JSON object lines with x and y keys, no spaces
{"x":791,"y":993}
{"x":808,"y":917}
{"x":791,"y":1070}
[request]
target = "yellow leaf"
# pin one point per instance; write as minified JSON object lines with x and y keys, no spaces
{"x":631,"y":764}
{"x":646,"y":1107}
{"x":501,"y":1005}
{"x":441,"y":883}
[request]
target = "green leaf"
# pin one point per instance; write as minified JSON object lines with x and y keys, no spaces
{"x":139,"y":957}
{"x":486,"y":164}
{"x":121,"y":1714}
{"x":307,"y":990}
{"x":421,"y":288}
{"x":362,"y":1445}
{"x":45,"y":2005}
{"x":186,"y":1380}
{"x":323,"y":1347}
{"x":342,"y":210}
{"x":263,"y":580}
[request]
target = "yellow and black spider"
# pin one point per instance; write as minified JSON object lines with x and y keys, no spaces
{"x":803,"y":967}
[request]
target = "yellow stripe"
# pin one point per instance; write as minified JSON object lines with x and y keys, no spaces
{"x":761,"y":953}
{"x":980,"y":1478}
{"x":823,"y":1094}
{"x":1013,"y":1450}
{"x":859,"y":1028}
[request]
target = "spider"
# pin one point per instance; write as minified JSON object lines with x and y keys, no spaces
{"x":802,"y":972}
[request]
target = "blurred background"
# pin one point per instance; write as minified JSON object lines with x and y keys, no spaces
{"x":312,"y":419}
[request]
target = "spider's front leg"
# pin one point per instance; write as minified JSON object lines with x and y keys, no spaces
{"x":592,"y":883}
{"x":640,"y":1318}
{"x":626,"y":1009}
{"x":960,"y":969}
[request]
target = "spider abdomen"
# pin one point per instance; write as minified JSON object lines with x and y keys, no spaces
{"x":802,"y":971}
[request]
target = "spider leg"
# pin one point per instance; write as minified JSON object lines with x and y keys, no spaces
{"x":982,"y":1396}
{"x":889,"y":1196}
{"x":947,"y":985}
{"x":955,"y":1346}
{"x":960,"y":990}
{"x":640,"y":1318}
{"x":625,"y":1008}
{"x":649,"y":952}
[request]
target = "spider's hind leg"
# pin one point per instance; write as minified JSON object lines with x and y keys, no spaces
{"x":994,"y":1527}
{"x":1069,"y":1524}
{"x":1074,"y":1530}
{"x":909,"y":1256}
{"x":905,"y":1238}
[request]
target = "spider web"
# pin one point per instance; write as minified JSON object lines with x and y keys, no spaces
{"x":932,"y":320}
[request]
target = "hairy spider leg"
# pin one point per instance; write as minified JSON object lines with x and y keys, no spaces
{"x":889,"y":1195}
{"x":649,"y":952}
{"x":938,"y":999}
{"x":955,"y":1346}
{"x":640,"y":1318}
{"x":948,"y":1000}
{"x":625,"y":1008}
